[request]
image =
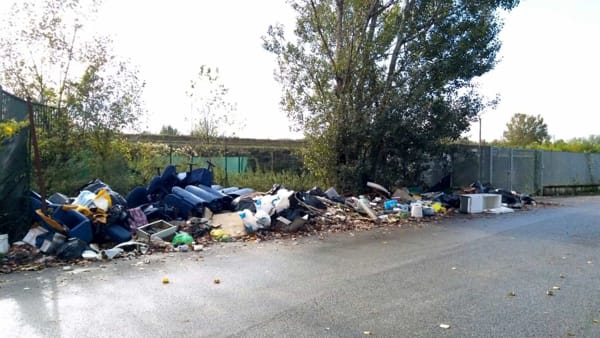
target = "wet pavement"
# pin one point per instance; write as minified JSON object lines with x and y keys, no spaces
{"x":387,"y":282}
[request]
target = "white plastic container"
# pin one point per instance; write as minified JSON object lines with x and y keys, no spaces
{"x":416,"y":210}
{"x":4,"y":246}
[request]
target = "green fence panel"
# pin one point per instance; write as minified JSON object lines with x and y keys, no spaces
{"x":15,"y":168}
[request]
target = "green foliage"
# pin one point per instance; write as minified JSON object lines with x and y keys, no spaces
{"x":379,"y":86}
{"x":144,"y":159}
{"x":9,"y":128}
{"x":263,"y":181}
{"x":44,"y":56}
{"x":590,"y":144}
{"x":523,"y":130}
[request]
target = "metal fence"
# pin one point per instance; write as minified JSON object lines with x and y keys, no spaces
{"x":523,"y":170}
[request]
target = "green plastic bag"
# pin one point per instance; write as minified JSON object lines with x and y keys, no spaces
{"x":182,"y":238}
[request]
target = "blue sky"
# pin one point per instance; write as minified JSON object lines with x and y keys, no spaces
{"x":548,"y":63}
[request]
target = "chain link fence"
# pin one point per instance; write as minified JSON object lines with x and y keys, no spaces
{"x":524,"y":170}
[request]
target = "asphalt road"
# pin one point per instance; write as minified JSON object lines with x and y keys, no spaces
{"x":386,"y":282}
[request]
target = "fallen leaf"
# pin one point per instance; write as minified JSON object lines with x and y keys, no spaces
{"x":444,"y":326}
{"x":165,"y":280}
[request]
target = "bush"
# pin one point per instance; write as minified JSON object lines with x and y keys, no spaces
{"x":264,"y":181}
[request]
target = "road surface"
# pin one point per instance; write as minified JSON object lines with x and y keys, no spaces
{"x":483,"y":276}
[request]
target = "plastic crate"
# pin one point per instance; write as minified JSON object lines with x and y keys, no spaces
{"x":161,"y":229}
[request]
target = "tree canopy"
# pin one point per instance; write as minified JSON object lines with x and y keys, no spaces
{"x":168,"y":131}
{"x":212,"y":111}
{"x":377,"y":86}
{"x":523,"y":130}
{"x":47,"y":55}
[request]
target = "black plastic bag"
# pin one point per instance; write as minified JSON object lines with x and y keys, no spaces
{"x":71,"y":249}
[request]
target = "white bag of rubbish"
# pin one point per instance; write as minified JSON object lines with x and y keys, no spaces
{"x":249,"y":220}
{"x":85,"y":199}
{"x":263,"y":219}
{"x":265,"y":203}
{"x":283,"y":201}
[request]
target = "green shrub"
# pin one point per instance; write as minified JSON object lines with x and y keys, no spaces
{"x":264,"y":181}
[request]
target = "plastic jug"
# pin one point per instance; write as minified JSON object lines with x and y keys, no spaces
{"x":416,"y":210}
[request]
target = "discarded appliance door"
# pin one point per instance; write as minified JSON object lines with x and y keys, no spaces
{"x":477,"y":203}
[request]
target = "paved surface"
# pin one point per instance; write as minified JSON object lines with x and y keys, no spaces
{"x":386,"y":282}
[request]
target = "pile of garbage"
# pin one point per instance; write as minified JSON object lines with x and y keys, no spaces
{"x":186,"y":211}
{"x":510,"y":199}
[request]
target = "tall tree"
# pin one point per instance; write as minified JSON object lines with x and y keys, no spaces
{"x":212,"y":111}
{"x":47,"y":54}
{"x":378,"y":85}
{"x":523,"y":130}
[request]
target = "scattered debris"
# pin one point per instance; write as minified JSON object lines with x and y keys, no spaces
{"x":367,"y":333}
{"x":444,"y":326}
{"x":556,"y":288}
{"x":512,"y":294}
{"x":217,"y":281}
{"x":181,"y":212}
{"x":550,"y":293}
{"x":165,"y":280}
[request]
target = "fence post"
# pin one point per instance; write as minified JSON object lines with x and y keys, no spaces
{"x":542,"y":173}
{"x":491,"y":163}
{"x":36,"y":155}
{"x":480,"y":171}
{"x":510,"y":172}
